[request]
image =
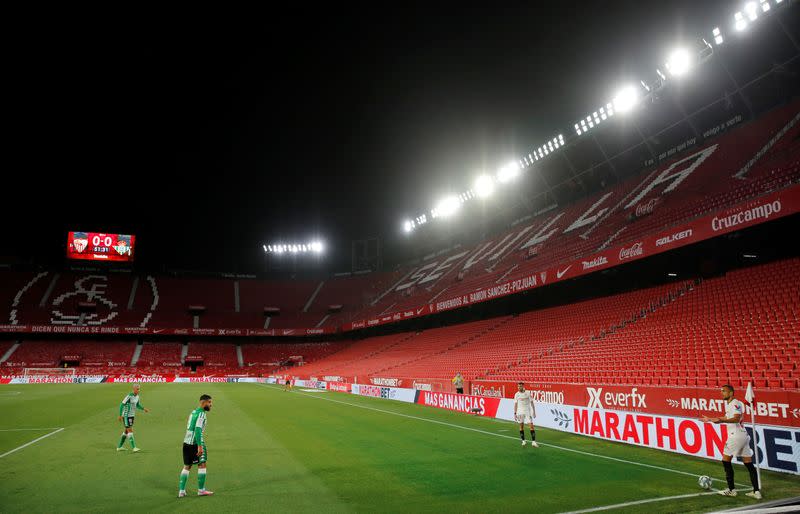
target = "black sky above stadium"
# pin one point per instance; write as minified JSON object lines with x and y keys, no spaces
{"x":207,"y":136}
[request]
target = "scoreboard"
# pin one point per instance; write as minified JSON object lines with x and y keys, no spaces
{"x":96,"y":246}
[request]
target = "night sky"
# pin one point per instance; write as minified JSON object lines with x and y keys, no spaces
{"x":208,"y":137}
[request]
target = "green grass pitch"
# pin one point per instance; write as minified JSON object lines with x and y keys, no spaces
{"x":276,"y":451}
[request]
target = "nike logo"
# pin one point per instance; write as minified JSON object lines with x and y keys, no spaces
{"x":420,"y":309}
{"x":158,"y":331}
{"x":560,"y":273}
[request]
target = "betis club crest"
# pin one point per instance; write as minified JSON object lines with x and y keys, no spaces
{"x":123,"y":246}
{"x":80,"y":241}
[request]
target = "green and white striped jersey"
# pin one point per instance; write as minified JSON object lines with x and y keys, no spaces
{"x":127,"y":409}
{"x":196,"y":427}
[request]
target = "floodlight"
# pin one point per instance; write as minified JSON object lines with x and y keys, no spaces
{"x":741,"y":23}
{"x":626,"y":99}
{"x":717,"y":36}
{"x":484,"y":186}
{"x":752,"y":10}
{"x":509,"y":172}
{"x":447,"y":206}
{"x":561,"y":139}
{"x":679,"y":62}
{"x":316,"y":246}
{"x":764,"y":5}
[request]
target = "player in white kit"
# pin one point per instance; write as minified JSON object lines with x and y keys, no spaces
{"x":524,"y":412}
{"x":737,"y":445}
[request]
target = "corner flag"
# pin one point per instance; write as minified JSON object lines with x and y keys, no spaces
{"x":750,"y":396}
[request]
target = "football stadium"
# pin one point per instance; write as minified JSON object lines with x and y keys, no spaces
{"x":425,"y":262}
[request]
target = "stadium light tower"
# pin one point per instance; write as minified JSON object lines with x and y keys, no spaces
{"x":484,"y":186}
{"x":408,"y":226}
{"x":626,"y":99}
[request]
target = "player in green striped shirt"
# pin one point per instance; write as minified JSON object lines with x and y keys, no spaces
{"x":127,"y":414}
{"x":194,"y":448}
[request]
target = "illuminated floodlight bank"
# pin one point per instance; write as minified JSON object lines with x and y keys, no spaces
{"x":751,"y":9}
{"x":308,"y":247}
{"x":446,"y":207}
{"x":679,"y":62}
{"x":484,"y":186}
{"x":739,"y":22}
{"x":626,"y":99}
{"x":509,"y":172}
{"x":717,"y":36}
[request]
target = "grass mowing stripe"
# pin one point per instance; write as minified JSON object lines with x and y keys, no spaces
{"x":640,"y":502}
{"x":501,"y":435}
{"x":30,"y":443}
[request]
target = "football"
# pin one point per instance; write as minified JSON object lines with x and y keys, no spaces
{"x":704,"y":482}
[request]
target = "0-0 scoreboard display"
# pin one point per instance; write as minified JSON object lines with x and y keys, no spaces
{"x":97,"y":246}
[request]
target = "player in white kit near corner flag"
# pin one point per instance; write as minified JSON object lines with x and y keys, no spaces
{"x":737,"y":445}
{"x":524,"y":412}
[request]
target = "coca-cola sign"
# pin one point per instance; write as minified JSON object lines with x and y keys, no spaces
{"x":492,"y":391}
{"x":634,"y":251}
{"x":645,"y":208}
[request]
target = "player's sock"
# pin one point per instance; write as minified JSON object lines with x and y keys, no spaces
{"x":133,"y":442}
{"x":522,"y":434}
{"x":753,"y":474}
{"x":122,"y":440}
{"x":201,"y":479}
{"x":729,"y":474}
{"x":184,"y":478}
{"x":533,"y":435}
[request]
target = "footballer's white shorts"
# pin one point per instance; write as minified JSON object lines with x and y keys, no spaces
{"x":525,"y":418}
{"x":738,"y":445}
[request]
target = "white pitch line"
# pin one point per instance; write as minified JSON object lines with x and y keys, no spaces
{"x":563,"y":448}
{"x":25,"y":429}
{"x":639,"y":502}
{"x":18,"y":448}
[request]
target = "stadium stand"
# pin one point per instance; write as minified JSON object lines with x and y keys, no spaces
{"x":94,"y":356}
{"x":267,"y":357}
{"x":163,"y":358}
{"x":723,"y":330}
{"x":733,"y":329}
{"x":739,"y":327}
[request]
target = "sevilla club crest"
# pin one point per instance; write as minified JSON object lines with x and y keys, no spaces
{"x":80,"y":241}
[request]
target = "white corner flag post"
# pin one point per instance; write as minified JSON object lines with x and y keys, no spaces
{"x":750,"y":397}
